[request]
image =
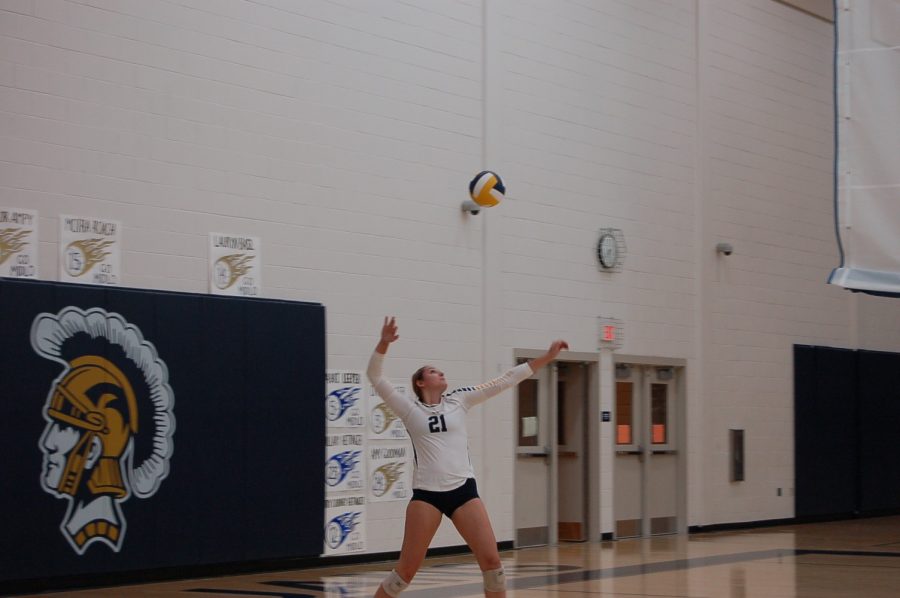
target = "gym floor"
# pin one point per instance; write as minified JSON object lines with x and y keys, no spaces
{"x":857,"y":558}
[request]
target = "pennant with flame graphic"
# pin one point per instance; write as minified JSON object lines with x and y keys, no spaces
{"x":12,"y":241}
{"x":84,"y":254}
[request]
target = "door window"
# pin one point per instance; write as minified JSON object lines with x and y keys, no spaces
{"x":659,"y":413}
{"x":625,"y":415}
{"x":529,"y":428}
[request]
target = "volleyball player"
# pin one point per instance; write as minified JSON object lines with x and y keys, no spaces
{"x":443,"y":481}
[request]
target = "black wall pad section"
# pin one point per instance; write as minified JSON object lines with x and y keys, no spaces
{"x":879,"y":429}
{"x":146,"y":430}
{"x":825,"y":436}
{"x":846,"y":417}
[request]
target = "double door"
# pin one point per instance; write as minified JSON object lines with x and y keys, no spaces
{"x":648,"y":481}
{"x":551,"y":475}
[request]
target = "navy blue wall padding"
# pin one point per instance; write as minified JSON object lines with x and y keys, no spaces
{"x":846,"y":417}
{"x":879,"y":402}
{"x":825,"y":436}
{"x":245,"y":479}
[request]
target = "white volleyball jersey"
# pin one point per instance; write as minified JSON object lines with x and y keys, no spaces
{"x":438,"y":432}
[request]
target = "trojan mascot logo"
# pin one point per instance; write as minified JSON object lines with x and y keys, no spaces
{"x":109,"y":421}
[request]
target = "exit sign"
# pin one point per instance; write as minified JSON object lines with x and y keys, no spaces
{"x":610,"y":333}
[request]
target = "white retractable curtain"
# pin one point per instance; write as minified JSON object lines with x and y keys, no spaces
{"x":867,"y":80}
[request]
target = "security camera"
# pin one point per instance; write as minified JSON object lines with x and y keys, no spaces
{"x":471,"y":207}
{"x":724,"y":248}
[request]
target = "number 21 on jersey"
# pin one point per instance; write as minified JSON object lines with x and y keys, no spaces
{"x":436,"y":423}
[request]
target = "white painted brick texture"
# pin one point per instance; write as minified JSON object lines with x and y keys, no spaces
{"x":768,"y":160}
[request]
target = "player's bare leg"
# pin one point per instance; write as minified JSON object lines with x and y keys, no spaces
{"x":422,"y":522}
{"x":473,"y":524}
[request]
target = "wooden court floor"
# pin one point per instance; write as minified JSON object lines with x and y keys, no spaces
{"x":859,"y":558}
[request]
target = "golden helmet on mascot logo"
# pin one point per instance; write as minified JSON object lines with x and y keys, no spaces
{"x":96,"y":398}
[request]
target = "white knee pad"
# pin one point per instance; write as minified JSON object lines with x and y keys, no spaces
{"x":393,"y":584}
{"x":494,"y":580}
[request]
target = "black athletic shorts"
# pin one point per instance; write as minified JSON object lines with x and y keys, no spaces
{"x":449,"y":501}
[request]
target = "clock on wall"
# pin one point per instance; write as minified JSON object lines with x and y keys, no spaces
{"x":607,"y":252}
{"x":610,"y":248}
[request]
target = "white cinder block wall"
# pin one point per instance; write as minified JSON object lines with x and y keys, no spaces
{"x":598,"y":131}
{"x":343,"y":134}
{"x":767,"y":167}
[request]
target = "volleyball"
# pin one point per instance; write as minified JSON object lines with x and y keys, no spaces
{"x":487,"y":189}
